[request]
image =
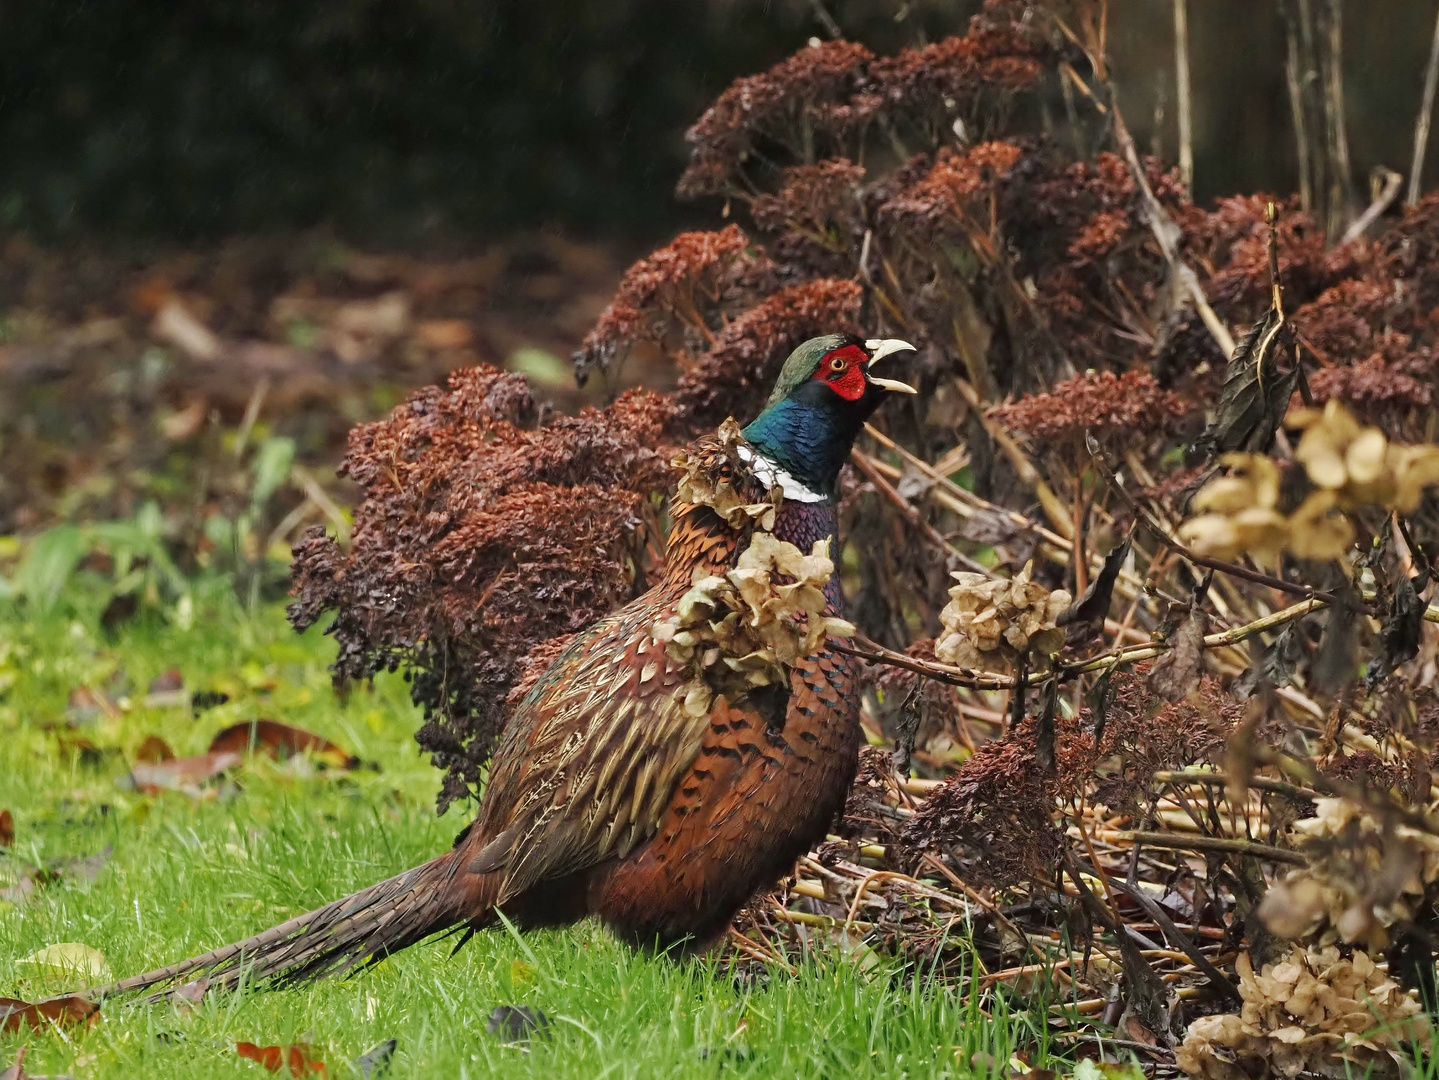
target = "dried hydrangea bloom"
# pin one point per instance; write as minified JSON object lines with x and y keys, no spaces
{"x":1358,"y":464}
{"x":734,"y":377}
{"x":749,"y":627}
{"x":1375,"y":387}
{"x":1350,"y":890}
{"x":1237,"y":513}
{"x":815,"y":198}
{"x":990,"y":623}
{"x":952,"y":79}
{"x":952,"y":199}
{"x":1107,"y":406}
{"x":1318,"y":1013}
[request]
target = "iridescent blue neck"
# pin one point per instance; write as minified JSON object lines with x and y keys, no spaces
{"x":806,"y":439}
{"x":801,"y":524}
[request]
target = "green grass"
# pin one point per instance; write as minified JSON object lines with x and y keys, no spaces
{"x":186,"y":876}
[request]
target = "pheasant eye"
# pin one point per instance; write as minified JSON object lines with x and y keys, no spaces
{"x":837,"y":363}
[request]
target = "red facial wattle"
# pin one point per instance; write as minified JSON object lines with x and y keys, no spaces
{"x":843,"y":372}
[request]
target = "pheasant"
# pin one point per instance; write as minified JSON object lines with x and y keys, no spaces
{"x":634,"y":783}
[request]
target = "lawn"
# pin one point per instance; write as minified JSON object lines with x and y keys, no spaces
{"x":186,"y":874}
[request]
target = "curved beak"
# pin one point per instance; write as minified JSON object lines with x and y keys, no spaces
{"x":878,"y":349}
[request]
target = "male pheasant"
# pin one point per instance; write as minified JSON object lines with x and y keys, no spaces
{"x":611,"y":794}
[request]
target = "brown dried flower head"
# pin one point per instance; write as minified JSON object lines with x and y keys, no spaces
{"x":810,"y":92}
{"x":475,"y":541}
{"x":1102,"y":404}
{"x":734,"y":377}
{"x":676,"y":279}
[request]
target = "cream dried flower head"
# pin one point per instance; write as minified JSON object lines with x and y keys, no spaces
{"x":748,"y":627}
{"x":989,"y":623}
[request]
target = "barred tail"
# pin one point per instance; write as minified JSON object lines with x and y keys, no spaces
{"x":365,"y":926}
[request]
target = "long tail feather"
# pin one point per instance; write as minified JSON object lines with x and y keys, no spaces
{"x":363,"y":927}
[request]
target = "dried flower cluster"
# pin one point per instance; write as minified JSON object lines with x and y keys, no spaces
{"x":1108,"y":406}
{"x":1238,"y":515}
{"x":750,"y":627}
{"x":1350,"y":467}
{"x":1362,"y":879}
{"x":991,"y":623}
{"x":1359,"y":464}
{"x":476,"y":540}
{"x":1316,"y":1013}
{"x":673,"y":285}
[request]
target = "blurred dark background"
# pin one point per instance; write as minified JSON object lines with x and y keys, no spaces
{"x":434,"y":122}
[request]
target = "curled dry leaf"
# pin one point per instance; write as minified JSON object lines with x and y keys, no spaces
{"x":7,"y":829}
{"x":275,"y":1058}
{"x":990,"y":623}
{"x":65,"y":1010}
{"x":1175,"y":675}
{"x":279,"y":741}
{"x":1316,"y":1013}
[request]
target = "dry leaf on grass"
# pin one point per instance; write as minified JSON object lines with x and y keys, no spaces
{"x":64,"y":1010}
{"x":279,"y":740}
{"x":188,"y":774}
{"x":7,"y":829}
{"x":72,"y":962}
{"x":296,"y":1056}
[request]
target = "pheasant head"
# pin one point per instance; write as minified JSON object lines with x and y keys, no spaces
{"x":824,"y":394}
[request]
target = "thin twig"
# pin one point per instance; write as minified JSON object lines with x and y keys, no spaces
{"x":874,"y":652}
{"x":1162,"y":535}
{"x":1230,"y":845}
{"x":1421,"y":122}
{"x":1216,"y":977}
{"x":1392,"y":183}
{"x":866,"y":465}
{"x":1181,"y":80}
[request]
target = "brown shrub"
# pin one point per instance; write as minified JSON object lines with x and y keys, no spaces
{"x":477,"y":540}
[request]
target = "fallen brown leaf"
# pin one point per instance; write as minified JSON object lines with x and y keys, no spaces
{"x":154,"y":750}
{"x":297,"y":1056}
{"x":7,"y":829}
{"x":16,"y":1071}
{"x":279,"y":741}
{"x":64,"y":1010}
{"x":182,"y":774}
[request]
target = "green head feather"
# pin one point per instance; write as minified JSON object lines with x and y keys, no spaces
{"x":802,"y":364}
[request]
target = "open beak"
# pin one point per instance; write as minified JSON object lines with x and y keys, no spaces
{"x":878,"y":349}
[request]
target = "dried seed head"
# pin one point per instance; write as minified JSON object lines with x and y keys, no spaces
{"x":989,"y":623}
